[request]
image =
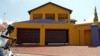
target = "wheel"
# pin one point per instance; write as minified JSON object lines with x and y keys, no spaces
{"x":12,"y":55}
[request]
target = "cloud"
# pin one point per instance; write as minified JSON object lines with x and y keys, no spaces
{"x":9,"y":22}
{"x":13,"y":1}
{"x":88,"y":20}
{"x":1,"y":21}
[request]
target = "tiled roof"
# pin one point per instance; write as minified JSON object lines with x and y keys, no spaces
{"x":40,"y":21}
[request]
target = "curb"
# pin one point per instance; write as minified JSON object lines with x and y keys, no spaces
{"x":20,"y":54}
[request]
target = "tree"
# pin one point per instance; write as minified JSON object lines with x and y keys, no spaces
{"x":95,"y":15}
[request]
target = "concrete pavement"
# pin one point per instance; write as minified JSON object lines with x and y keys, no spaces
{"x":20,"y":54}
{"x":58,"y":51}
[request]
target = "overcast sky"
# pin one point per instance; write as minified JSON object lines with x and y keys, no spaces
{"x":17,"y":10}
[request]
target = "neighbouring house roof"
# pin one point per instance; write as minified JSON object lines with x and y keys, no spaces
{"x":73,"y":20}
{"x":50,"y":3}
{"x":40,"y":21}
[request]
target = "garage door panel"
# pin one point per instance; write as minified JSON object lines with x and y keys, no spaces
{"x":56,"y":36}
{"x":28,"y":35}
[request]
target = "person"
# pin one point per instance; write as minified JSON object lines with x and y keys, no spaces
{"x":3,"y":26}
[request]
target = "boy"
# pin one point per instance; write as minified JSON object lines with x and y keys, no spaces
{"x":3,"y":26}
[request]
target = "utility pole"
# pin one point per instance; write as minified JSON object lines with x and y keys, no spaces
{"x":4,"y":16}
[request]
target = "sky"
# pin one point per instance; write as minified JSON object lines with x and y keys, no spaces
{"x":17,"y":10}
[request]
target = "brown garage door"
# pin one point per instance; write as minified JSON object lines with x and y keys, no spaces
{"x":57,"y":36}
{"x":28,"y":35}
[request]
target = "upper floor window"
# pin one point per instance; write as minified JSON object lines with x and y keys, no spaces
{"x":37,"y":16}
{"x":62,"y":17}
{"x":50,"y":16}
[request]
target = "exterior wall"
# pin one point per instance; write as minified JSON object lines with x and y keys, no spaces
{"x":84,"y":34}
{"x":74,"y":37}
{"x":50,"y":9}
{"x":78,"y":34}
{"x":42,"y":28}
{"x":87,"y":36}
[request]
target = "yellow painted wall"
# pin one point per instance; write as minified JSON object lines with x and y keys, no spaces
{"x":74,"y":37}
{"x":79,"y":34}
{"x":88,"y":37}
{"x":42,"y":28}
{"x":42,"y":36}
{"x":50,"y":9}
{"x":84,"y":34}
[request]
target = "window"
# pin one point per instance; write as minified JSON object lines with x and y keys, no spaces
{"x":37,"y":16}
{"x":62,"y":17}
{"x":50,"y":16}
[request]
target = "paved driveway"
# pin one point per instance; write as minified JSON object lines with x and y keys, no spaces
{"x":21,"y":54}
{"x":59,"y":50}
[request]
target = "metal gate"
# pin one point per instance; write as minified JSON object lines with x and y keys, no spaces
{"x":56,"y":36}
{"x":25,"y":35}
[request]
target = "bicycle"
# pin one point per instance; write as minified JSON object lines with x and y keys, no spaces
{"x":8,"y":51}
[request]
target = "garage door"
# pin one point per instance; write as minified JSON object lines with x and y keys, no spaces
{"x":28,"y":35}
{"x":56,"y":36}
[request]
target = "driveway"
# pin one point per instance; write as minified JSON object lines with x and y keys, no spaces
{"x":58,"y":50}
{"x":22,"y":54}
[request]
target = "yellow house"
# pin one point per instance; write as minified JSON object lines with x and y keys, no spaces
{"x":51,"y":23}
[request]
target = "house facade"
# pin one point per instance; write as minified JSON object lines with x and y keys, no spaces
{"x":51,"y":23}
